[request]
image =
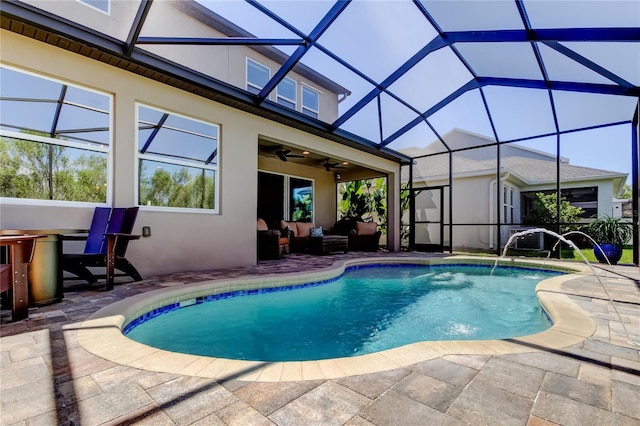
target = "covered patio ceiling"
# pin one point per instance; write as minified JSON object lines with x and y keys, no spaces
{"x":411,"y":71}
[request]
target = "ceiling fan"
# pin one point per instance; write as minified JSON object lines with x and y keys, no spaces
{"x":328,"y":166}
{"x":285,"y":154}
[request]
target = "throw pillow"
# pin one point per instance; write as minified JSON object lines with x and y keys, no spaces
{"x":317,"y":232}
{"x":366,"y":228}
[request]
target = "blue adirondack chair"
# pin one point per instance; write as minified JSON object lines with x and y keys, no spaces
{"x":106,"y":246}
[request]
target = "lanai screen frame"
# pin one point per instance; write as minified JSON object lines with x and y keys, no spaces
{"x":130,"y":51}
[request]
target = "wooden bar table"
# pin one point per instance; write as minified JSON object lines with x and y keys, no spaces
{"x":45,"y":274}
{"x":14,"y":275}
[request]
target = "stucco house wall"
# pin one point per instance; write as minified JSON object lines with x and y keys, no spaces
{"x":184,"y":240}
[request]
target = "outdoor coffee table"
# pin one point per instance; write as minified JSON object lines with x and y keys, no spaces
{"x":328,"y":244}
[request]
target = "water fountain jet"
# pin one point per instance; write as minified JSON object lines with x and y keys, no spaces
{"x":575,"y":248}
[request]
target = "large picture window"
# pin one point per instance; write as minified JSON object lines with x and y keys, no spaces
{"x":177,"y":160}
{"x":54,"y":139}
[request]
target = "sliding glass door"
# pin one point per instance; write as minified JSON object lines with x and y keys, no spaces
{"x":284,"y":197}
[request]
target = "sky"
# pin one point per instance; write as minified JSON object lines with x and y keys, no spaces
{"x":376,"y":37}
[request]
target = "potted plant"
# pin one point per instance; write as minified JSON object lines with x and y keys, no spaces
{"x":610,"y":233}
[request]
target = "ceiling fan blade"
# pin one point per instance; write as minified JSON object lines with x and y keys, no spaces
{"x":281,"y":155}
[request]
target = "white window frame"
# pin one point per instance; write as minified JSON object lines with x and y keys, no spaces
{"x":303,"y":107}
{"x":69,"y":144}
{"x":286,"y":99}
{"x":250,"y":84}
{"x":508,"y":208}
{"x":176,"y":162}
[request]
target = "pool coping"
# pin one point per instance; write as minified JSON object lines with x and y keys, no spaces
{"x":101,"y":334}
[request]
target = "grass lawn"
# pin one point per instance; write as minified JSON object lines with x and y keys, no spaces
{"x":627,"y":255}
{"x":570,"y":254}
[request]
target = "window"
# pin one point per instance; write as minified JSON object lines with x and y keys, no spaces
{"x":257,"y":76}
{"x":508,"y":196}
{"x":301,"y":199}
{"x":310,"y":102}
{"x":586,"y":198}
{"x":101,"y":5}
{"x":54,"y":139}
{"x":287,"y":93}
{"x":177,"y":160}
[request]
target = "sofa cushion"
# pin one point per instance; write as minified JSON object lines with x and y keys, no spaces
{"x":304,"y":229}
{"x":366,"y":228}
{"x":262,"y":225}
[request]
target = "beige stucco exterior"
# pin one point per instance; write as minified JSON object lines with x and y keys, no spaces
{"x":181,"y":240}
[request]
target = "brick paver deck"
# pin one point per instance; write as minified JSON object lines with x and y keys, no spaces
{"x":47,"y":377}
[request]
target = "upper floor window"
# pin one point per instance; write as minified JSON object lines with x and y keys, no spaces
{"x":310,"y":102}
{"x":177,"y":160}
{"x":257,"y":76}
{"x":287,"y":93}
{"x":101,"y":5}
{"x":54,"y":139}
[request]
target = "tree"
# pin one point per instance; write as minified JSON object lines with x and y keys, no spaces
{"x":544,"y":212}
{"x":39,"y":170}
{"x":626,"y":192}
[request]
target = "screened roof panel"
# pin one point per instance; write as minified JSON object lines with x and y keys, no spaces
{"x":431,"y":80}
{"x":594,"y":109}
{"x":365,"y":123}
{"x":519,"y":113}
{"x":251,"y":20}
{"x":583,"y":13}
{"x":357,"y":85}
{"x":368,"y":36}
{"x":417,"y":138}
{"x":622,"y":59}
{"x":474,"y":15}
{"x":465,"y":112}
{"x":510,"y":60}
{"x":394,"y":115}
{"x":560,"y":67}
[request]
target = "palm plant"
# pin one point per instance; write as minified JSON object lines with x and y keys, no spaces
{"x":610,"y":234}
{"x":610,"y":230}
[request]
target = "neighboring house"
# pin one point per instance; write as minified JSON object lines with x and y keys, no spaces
{"x":156,"y":129}
{"x":622,"y":207}
{"x":523,"y":173}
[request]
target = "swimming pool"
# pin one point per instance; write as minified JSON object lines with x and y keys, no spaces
{"x":370,"y":308}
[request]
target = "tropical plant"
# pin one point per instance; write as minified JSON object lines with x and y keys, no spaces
{"x":610,"y":230}
{"x":355,"y":200}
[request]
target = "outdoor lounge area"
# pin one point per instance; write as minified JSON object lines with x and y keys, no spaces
{"x":595,"y":380}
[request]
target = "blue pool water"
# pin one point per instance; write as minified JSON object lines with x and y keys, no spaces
{"x":367,"y":310}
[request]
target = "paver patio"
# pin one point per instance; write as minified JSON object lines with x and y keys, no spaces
{"x":47,"y":377}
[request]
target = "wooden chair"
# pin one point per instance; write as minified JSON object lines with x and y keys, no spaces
{"x":14,"y":275}
{"x":106,"y":246}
